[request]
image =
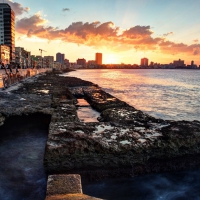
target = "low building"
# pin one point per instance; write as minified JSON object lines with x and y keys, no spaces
{"x":48,"y":61}
{"x":22,"y":57}
{"x":76,"y":66}
{"x":57,"y":65}
{"x":34,"y":61}
{"x":4,"y":54}
{"x":66,"y":62}
{"x":179,"y":63}
{"x":91,"y":62}
{"x":81,"y":61}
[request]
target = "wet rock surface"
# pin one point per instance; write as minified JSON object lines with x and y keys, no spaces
{"x":125,"y":141}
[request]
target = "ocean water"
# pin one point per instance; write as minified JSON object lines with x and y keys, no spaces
{"x":166,"y":94}
{"x":183,"y":185}
{"x":162,"y":93}
{"x":22,"y":146}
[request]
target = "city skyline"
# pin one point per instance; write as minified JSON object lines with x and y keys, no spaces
{"x":162,"y":32}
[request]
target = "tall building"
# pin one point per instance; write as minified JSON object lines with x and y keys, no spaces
{"x":60,"y":58}
{"x":98,"y":58}
{"x":144,"y":62}
{"x":7,"y":28}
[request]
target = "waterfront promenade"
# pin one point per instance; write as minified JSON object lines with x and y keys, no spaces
{"x":22,"y":73}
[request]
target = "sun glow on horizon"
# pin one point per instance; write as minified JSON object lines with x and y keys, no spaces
{"x":111,"y":59}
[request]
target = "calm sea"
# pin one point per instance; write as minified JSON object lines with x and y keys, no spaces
{"x":162,"y":93}
{"x":167,"y":94}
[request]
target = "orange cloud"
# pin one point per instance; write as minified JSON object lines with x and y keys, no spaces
{"x":105,"y":35}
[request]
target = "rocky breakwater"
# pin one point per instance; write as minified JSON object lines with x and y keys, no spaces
{"x":124,"y":142}
{"x":42,"y":94}
{"x":45,"y":97}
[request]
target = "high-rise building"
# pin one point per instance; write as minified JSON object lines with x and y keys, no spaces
{"x":7,"y":28}
{"x":144,"y":62}
{"x":98,"y":58}
{"x":60,"y":58}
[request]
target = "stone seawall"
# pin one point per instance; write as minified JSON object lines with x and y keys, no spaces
{"x":124,"y":142}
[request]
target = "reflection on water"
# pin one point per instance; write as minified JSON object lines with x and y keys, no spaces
{"x":22,"y":175}
{"x":167,"y":186}
{"x":167,"y":94}
{"x":85,"y":111}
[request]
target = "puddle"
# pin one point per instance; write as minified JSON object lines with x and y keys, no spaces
{"x":44,"y":91}
{"x":85,"y":112}
{"x":82,"y":102}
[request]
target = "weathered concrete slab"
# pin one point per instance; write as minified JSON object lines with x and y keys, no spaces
{"x":65,"y":187}
{"x":72,"y":197}
{"x":64,"y":184}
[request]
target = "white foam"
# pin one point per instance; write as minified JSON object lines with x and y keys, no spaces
{"x":125,"y":142}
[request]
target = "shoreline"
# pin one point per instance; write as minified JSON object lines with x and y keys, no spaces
{"x":126,"y":141}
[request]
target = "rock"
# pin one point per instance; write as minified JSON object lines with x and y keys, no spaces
{"x":2,"y":119}
{"x":100,"y":100}
{"x":127,"y":115}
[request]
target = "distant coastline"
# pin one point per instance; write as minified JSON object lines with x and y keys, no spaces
{"x":133,"y":68}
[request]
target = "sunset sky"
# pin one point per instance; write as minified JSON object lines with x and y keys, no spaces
{"x":123,"y":30}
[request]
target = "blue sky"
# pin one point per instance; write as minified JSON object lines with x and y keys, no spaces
{"x":175,"y":21}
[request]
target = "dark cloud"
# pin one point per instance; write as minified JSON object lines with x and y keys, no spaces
{"x":83,"y":30}
{"x":104,"y":34}
{"x":65,"y":9}
{"x":16,"y":7}
{"x":30,"y":25}
{"x":167,"y":34}
{"x":138,"y":32}
{"x":175,"y":48}
{"x":196,"y":41}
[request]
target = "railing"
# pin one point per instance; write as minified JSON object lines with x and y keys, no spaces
{"x":8,"y":79}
